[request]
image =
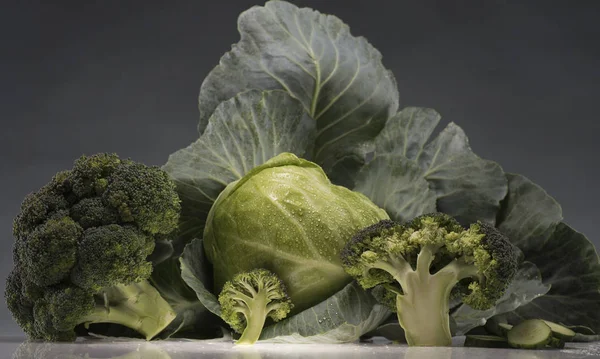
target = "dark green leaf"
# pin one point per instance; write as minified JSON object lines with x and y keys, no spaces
{"x":341,"y":318}
{"x":467,"y":187}
{"x":525,"y":287}
{"x":390,"y":329}
{"x":409,"y":176}
{"x":338,"y":78}
{"x":528,"y":215}
{"x":195,"y":271}
{"x":569,"y":264}
{"x":407,"y":132}
{"x":567,"y":260}
{"x":193,"y":319}
{"x":395,"y":183}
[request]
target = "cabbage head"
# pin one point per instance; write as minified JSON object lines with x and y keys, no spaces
{"x":286,"y":216}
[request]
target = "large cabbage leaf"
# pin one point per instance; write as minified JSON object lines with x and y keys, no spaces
{"x":341,"y":318}
{"x":196,"y":271}
{"x":338,"y":78}
{"x":568,"y":261}
{"x":525,"y":287}
{"x":409,"y":176}
{"x":243,"y":132}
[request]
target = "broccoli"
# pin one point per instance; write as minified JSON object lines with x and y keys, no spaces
{"x":82,"y":249}
{"x":425,"y":261}
{"x":249,"y":298}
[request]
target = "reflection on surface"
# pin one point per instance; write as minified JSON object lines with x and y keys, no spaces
{"x":428,"y":352}
{"x":188,"y":349}
{"x":87,"y":350}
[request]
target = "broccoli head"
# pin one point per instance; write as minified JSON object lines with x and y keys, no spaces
{"x":249,"y":298}
{"x":82,"y":249}
{"x":418,"y":265}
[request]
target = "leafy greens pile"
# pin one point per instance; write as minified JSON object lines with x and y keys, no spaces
{"x":299,"y":82}
{"x":302,"y":144}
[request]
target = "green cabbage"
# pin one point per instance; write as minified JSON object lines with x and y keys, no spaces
{"x":287,"y":216}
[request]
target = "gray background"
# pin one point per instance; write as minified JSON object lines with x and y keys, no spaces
{"x":521,"y":77}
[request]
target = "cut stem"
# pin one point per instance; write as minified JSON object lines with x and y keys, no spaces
{"x":424,"y":306}
{"x":138,"y":306}
{"x":255,"y":319}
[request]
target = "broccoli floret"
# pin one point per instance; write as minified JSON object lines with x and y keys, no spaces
{"x":249,"y":298}
{"x":83,"y":249}
{"x":421,"y":263}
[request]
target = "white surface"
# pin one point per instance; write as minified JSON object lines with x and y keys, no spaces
{"x":92,"y":349}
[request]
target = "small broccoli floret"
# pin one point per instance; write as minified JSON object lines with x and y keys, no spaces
{"x":49,"y":251}
{"x":421,"y":263}
{"x":111,"y":255}
{"x":83,"y":249}
{"x":93,"y":212}
{"x":249,"y":298}
{"x":145,"y":196}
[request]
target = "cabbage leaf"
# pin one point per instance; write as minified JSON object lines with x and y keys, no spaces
{"x":339,"y":79}
{"x":341,"y":318}
{"x":567,"y":260}
{"x":409,"y":176}
{"x":525,"y":287}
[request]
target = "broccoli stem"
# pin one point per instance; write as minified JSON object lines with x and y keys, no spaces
{"x":256,"y":314}
{"x":138,"y":306}
{"x":423,"y":310}
{"x":424,"y":306}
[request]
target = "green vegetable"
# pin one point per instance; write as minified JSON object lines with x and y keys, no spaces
{"x":326,"y":109}
{"x":504,"y":328}
{"x":82,"y":249}
{"x":486,"y":341}
{"x":530,"y":334}
{"x":243,"y":128}
{"x":249,"y":298}
{"x":341,"y":318}
{"x":525,"y":286}
{"x":243,"y":132}
{"x":567,"y":260}
{"x":556,"y":343}
{"x":529,"y":329}
{"x":193,"y":319}
{"x":286,"y":216}
{"x":298,"y":107}
{"x":423,"y":262}
{"x":560,"y":332}
{"x":339,"y":79}
{"x":411,"y":174}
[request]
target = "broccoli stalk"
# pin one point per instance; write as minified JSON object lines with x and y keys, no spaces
{"x":430,"y":259}
{"x":138,"y":306}
{"x":425,"y":305}
{"x":249,"y":298}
